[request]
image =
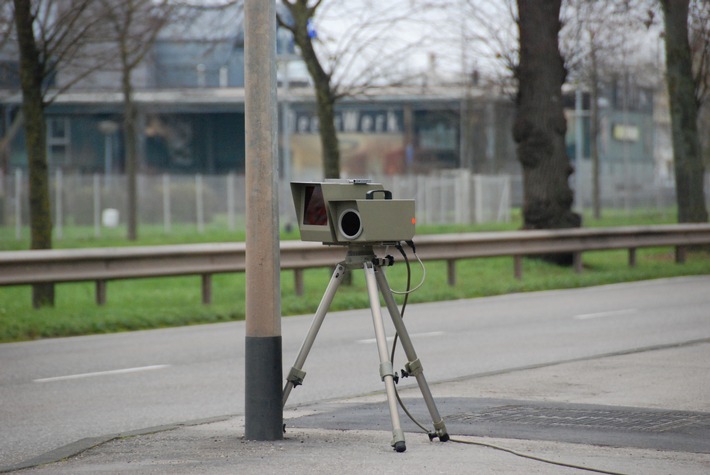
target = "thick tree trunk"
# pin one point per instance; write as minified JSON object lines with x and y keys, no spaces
{"x":687,"y":157}
{"x":540,"y":124}
{"x":31,"y":76}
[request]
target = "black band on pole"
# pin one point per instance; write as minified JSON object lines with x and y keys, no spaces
{"x":264,"y":375}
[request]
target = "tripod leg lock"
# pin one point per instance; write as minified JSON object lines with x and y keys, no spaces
{"x":386,"y":369}
{"x":414,"y":368}
{"x":295,"y":377}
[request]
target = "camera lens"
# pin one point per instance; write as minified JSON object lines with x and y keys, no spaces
{"x":350,"y":224}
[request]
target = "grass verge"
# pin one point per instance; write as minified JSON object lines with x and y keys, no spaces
{"x":164,"y":302}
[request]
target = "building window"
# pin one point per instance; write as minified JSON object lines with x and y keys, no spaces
{"x":58,"y":141}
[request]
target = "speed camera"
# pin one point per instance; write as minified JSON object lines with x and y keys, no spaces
{"x":351,"y":211}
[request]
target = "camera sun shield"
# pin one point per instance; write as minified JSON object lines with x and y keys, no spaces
{"x":351,"y":211}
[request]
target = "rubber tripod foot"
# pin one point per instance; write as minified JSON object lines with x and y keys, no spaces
{"x":400,"y":446}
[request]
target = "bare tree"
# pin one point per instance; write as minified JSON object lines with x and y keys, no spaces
{"x":682,"y":88}
{"x":49,"y":34}
{"x":133,"y":26}
{"x":6,"y":31}
{"x":366,"y":52}
{"x":540,"y":124}
{"x":488,"y":31}
{"x":302,"y":16}
{"x":594,"y":48}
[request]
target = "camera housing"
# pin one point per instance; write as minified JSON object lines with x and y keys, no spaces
{"x":351,"y":211}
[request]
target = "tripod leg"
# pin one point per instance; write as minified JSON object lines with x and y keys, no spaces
{"x":386,"y":370}
{"x":296,"y":375}
{"x":414,"y":366}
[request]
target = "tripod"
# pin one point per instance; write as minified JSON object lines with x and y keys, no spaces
{"x":363,"y":257}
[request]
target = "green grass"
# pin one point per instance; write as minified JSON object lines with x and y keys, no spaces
{"x":155,"y":235}
{"x":163,"y":302}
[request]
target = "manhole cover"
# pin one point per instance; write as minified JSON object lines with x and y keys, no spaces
{"x":611,"y":426}
{"x":616,"y":419}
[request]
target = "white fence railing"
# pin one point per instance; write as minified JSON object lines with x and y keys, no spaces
{"x":201,"y":200}
{"x":450,"y":197}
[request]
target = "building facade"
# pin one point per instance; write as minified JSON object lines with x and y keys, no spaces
{"x":190,"y":101}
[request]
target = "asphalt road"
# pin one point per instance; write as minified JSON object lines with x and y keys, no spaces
{"x":54,"y":392}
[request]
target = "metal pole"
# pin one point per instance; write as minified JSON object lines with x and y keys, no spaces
{"x":263,"y":410}
{"x":166,"y":203}
{"x":97,"y":205}
{"x":58,"y":185}
{"x":578,"y":149}
{"x":286,"y":122}
{"x":18,"y":204}
{"x":199,"y":206}
{"x":230,"y":202}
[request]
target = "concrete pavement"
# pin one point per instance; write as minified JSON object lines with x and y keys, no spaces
{"x":641,"y":412}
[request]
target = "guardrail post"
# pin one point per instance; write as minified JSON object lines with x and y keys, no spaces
{"x":451,"y":271}
{"x":100,"y":292}
{"x":632,"y":257}
{"x":206,"y":289}
{"x":518,"y":267}
{"x":298,"y":281}
{"x":680,"y":254}
{"x":577,"y":261}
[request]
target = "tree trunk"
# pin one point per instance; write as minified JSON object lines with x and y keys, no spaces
{"x":687,"y":157}
{"x":540,"y":124}
{"x":325,"y":98}
{"x":31,"y":76}
{"x":325,"y":104}
{"x":594,"y":135}
{"x":130,"y":142}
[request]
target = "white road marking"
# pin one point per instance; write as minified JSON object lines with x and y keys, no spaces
{"x":101,"y":373}
{"x":610,"y":313}
{"x":411,"y":335}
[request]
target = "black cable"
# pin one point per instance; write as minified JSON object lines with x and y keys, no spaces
{"x":533,"y":457}
{"x":480,"y":444}
{"x":406,"y":295}
{"x":396,"y":335}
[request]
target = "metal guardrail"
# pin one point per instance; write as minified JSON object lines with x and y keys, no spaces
{"x":105,"y":264}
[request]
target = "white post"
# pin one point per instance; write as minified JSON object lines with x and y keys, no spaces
{"x":463,"y":197}
{"x":478,"y":197}
{"x":504,"y":206}
{"x":420,"y":202}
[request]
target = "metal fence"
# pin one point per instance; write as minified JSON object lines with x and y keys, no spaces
{"x":453,"y":197}
{"x":100,"y":201}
